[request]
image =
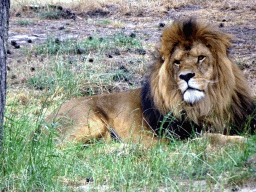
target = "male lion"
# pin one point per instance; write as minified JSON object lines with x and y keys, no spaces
{"x":192,"y":85}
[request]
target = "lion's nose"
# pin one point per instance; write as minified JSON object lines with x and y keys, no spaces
{"x":187,"y":76}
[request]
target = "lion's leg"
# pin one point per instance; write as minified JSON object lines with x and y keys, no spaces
{"x":94,"y":128}
{"x":223,"y":139}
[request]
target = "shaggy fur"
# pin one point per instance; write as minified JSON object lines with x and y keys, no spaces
{"x":229,"y":103}
{"x":192,"y":85}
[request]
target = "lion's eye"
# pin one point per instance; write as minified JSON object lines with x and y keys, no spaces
{"x":200,"y":58}
{"x":176,"y":62}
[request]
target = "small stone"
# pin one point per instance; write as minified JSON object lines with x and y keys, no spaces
{"x":122,"y":67}
{"x":29,"y":40}
{"x":132,"y":35}
{"x":13,"y":77}
{"x":89,"y":179}
{"x":90,"y":60}
{"x":40,"y":88}
{"x":57,"y":40}
{"x":117,"y":52}
{"x":109,"y":56}
{"x":161,"y":25}
{"x":90,"y":37}
{"x":221,"y":25}
{"x":9,"y":52}
{"x":224,"y":20}
{"x":129,"y":50}
{"x":32,"y":69}
{"x":59,"y":7}
{"x":13,"y":42}
{"x":61,"y":28}
{"x":8,"y":68}
{"x":80,"y":51}
{"x":17,"y":46}
{"x":141,"y":51}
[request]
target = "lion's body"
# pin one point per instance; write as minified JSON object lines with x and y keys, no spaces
{"x":191,"y":80}
{"x":86,"y":118}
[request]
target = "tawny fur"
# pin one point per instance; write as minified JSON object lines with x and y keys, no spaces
{"x":222,"y":102}
{"x":227,"y":96}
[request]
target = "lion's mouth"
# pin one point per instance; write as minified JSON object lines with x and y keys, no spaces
{"x":193,"y":95}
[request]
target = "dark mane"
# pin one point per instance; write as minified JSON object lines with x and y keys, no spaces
{"x":241,"y":108}
{"x":168,"y":124}
{"x":189,"y":28}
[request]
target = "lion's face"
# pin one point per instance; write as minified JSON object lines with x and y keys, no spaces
{"x":193,"y":71}
{"x":193,"y":77}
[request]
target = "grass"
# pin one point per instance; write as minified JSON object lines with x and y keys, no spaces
{"x":24,"y":22}
{"x":50,"y":14}
{"x":32,"y":161}
{"x":100,"y":45}
{"x":126,"y":7}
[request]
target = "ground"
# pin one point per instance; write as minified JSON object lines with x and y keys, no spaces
{"x":45,"y":69}
{"x":237,"y":19}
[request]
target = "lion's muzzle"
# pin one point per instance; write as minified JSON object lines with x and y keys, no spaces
{"x":190,"y":88}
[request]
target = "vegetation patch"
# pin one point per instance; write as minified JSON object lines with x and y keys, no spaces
{"x":44,"y":74}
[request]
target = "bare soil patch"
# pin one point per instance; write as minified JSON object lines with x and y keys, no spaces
{"x":238,"y":19}
{"x":28,"y":30}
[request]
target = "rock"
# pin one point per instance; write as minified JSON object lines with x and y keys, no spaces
{"x":141,"y":51}
{"x":80,"y":51}
{"x":161,"y":25}
{"x":13,"y":42}
{"x":17,"y":46}
{"x":90,"y":60}
{"x":117,"y":52}
{"x":122,"y":67}
{"x":13,"y":77}
{"x":89,"y":179}
{"x":61,"y":28}
{"x":109,"y":56}
{"x":29,"y":40}
{"x":132,"y":35}
{"x":40,"y":88}
{"x":129,"y":50}
{"x":57,"y":40}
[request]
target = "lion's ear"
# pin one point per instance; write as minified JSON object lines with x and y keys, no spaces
{"x":164,"y":53}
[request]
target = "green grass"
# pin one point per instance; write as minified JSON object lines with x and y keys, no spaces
{"x":34,"y":163}
{"x":24,"y":22}
{"x":32,"y":160}
{"x":49,"y":13}
{"x":104,"y":22}
{"x":55,"y":46}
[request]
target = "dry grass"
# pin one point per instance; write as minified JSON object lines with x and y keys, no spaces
{"x":132,"y":7}
{"x":36,"y":164}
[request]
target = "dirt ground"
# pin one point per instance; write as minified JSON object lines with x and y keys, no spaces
{"x":238,"y":19}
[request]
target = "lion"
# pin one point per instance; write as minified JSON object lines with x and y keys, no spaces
{"x":192,"y":86}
